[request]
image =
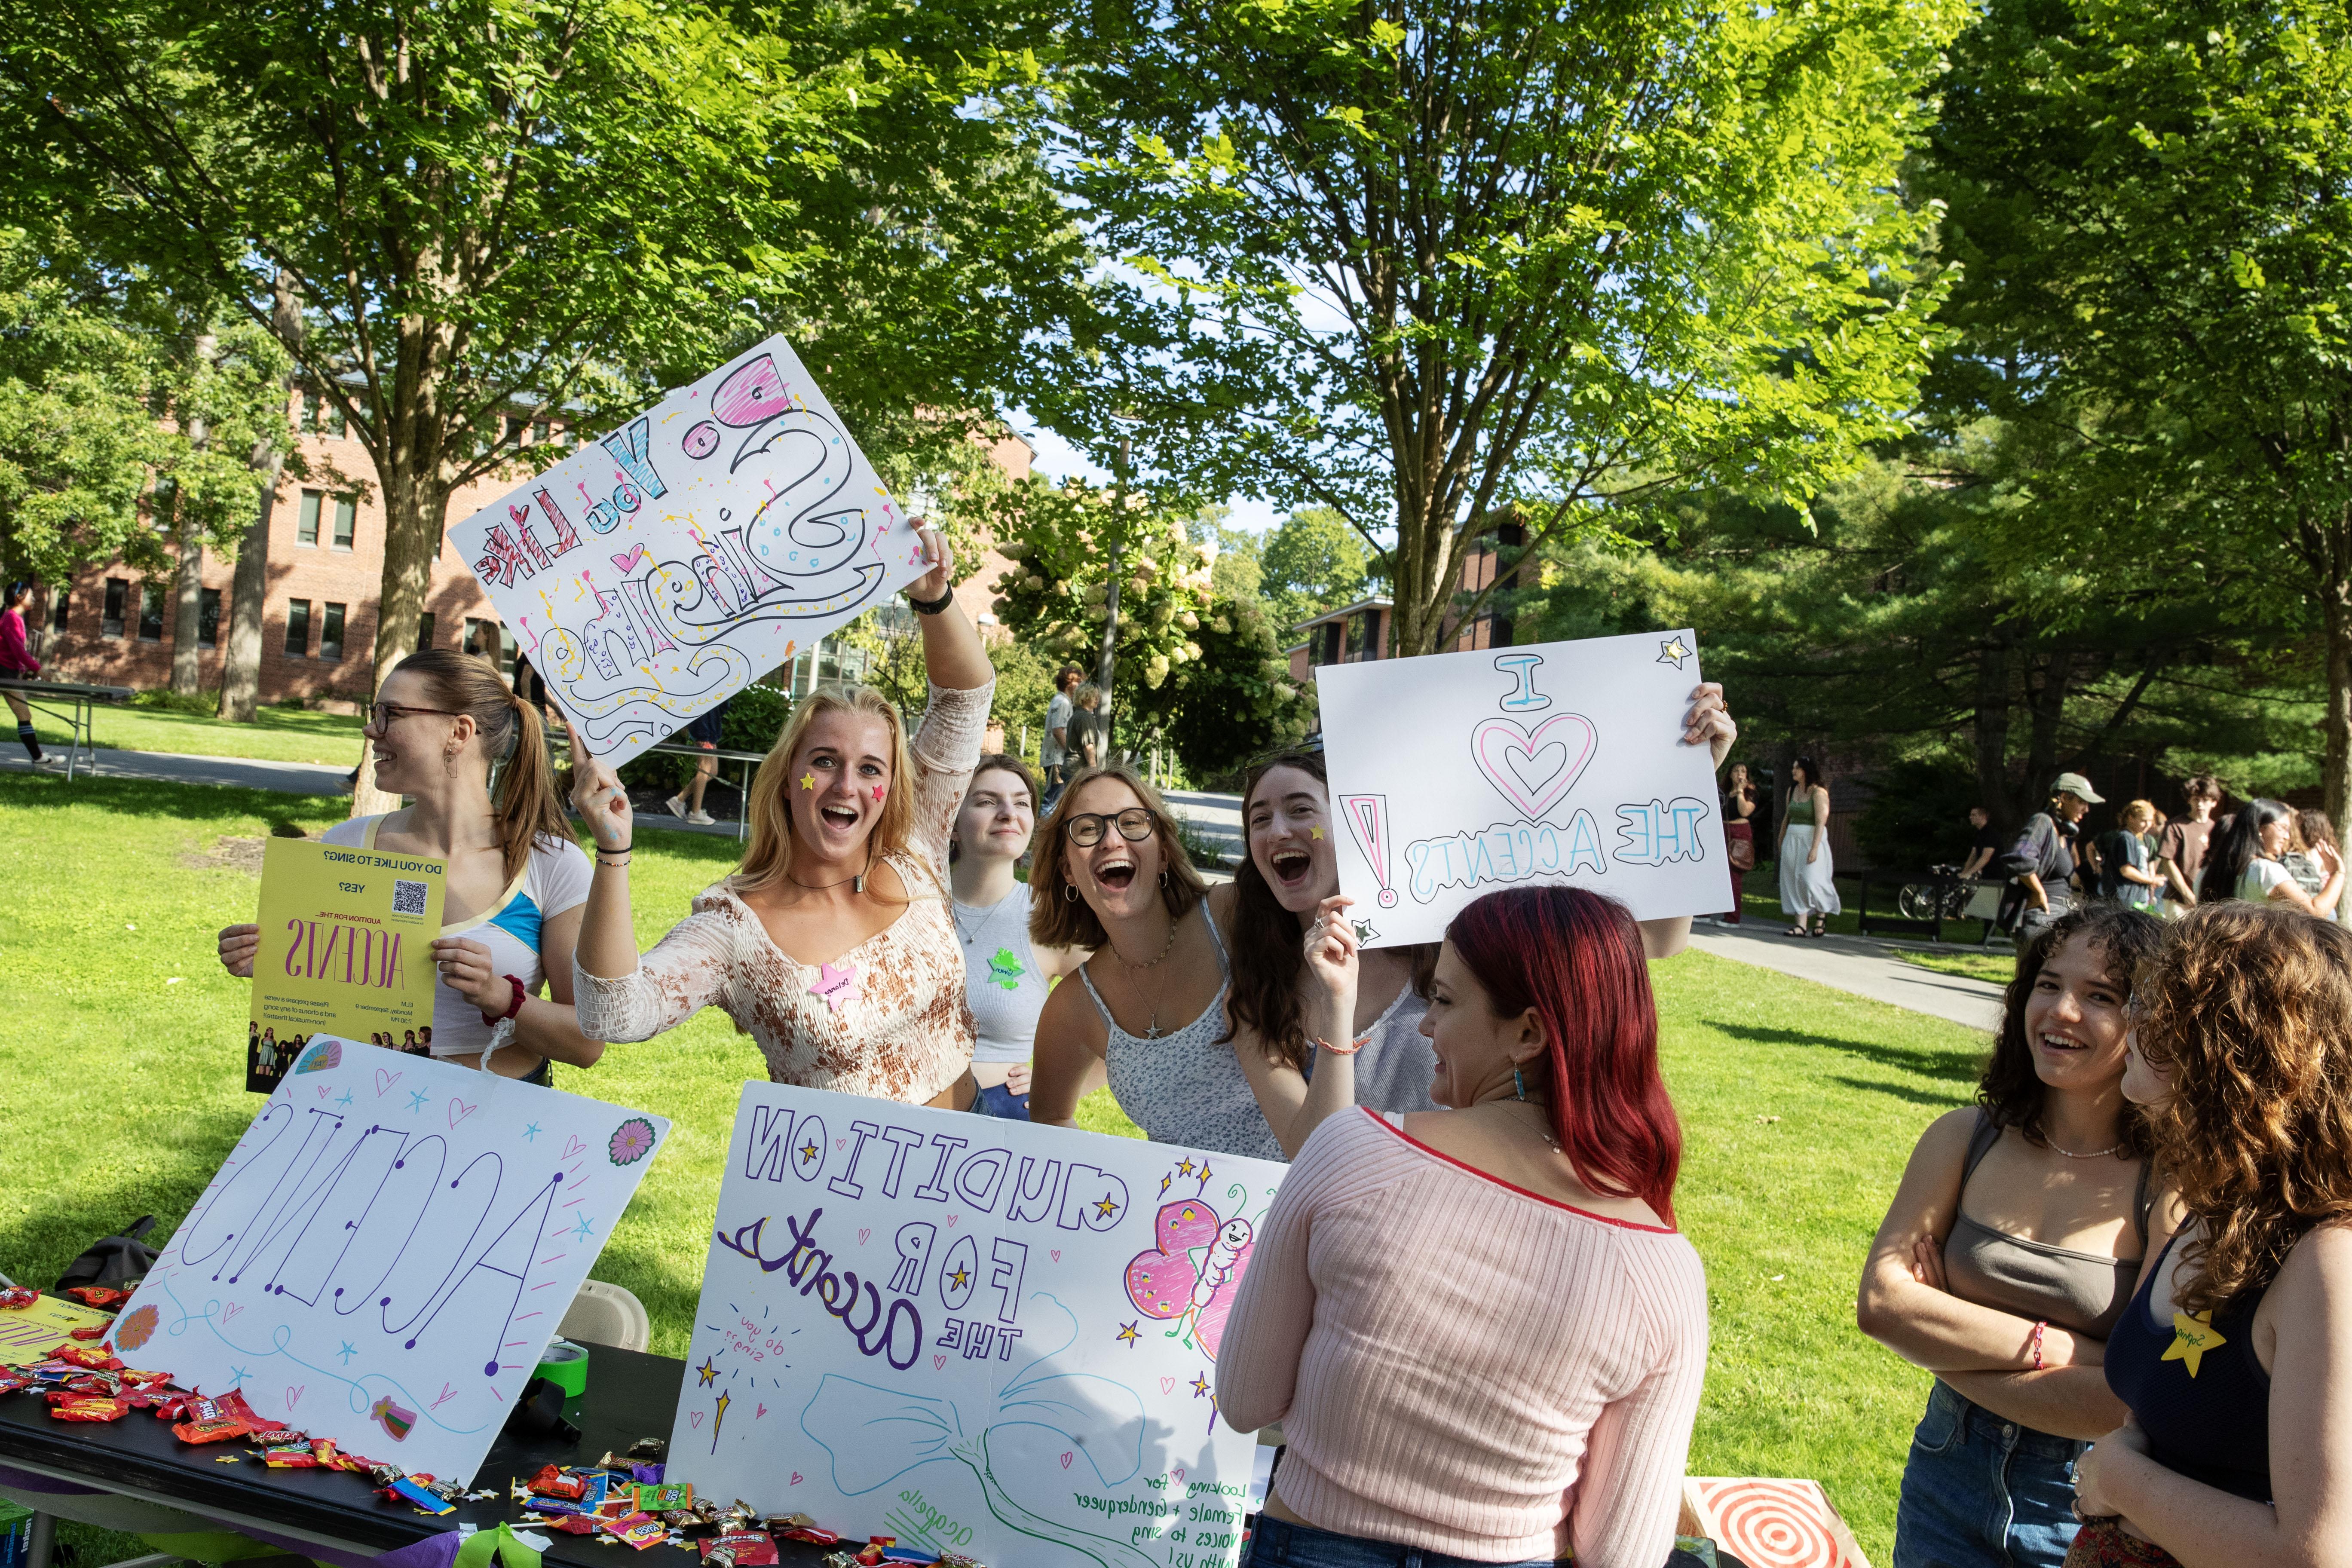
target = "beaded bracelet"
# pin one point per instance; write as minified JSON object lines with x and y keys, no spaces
{"x":1349,"y":1049}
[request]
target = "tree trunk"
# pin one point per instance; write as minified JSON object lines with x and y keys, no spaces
{"x":187,"y":614}
{"x":2336,"y":775}
{"x":415,"y":510}
{"x":1992,"y":725}
{"x":2049,"y":707}
{"x":241,"y":648}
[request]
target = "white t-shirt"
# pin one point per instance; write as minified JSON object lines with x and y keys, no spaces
{"x":2255,"y":882}
{"x":1001,"y":980}
{"x":1057,"y":717}
{"x":554,"y":879}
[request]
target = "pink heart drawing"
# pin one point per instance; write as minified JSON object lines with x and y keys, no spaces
{"x":231,"y":1310}
{"x":763,"y":1411}
{"x":841,"y":1143}
{"x":625,"y":562}
{"x":294,"y":1396}
{"x":1178,"y":1472}
{"x":571,"y":1147}
{"x":1513,"y":759}
{"x":1167,"y":1386}
{"x":939,"y":1363}
{"x":460,"y":1110}
{"x":693,"y":1417}
{"x":1058,"y":1255}
{"x":384,"y":1082}
{"x":796,"y":1477}
{"x":323,"y":1091}
{"x":863,"y":1232}
{"x":951,"y":1220}
{"x":1192,"y":1270}
{"x":1066,"y":1457}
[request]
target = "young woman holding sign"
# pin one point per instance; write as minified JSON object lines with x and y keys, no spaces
{"x":470,"y":754}
{"x":831,"y":946}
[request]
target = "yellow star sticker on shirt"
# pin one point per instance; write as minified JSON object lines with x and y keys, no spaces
{"x":808,"y":781}
{"x":1104,"y":1208}
{"x":958,"y":1278}
{"x":2191,"y":1338}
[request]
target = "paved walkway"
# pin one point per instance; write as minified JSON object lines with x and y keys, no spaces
{"x":1857,"y":965}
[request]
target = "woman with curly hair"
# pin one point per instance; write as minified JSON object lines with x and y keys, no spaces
{"x":2235,"y":1356}
{"x":2011,"y":1249}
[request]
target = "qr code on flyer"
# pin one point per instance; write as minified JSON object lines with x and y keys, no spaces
{"x":407,"y":897}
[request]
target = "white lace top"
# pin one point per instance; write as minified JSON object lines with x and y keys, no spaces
{"x":887,"y":1018}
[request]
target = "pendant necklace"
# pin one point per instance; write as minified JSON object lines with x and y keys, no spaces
{"x":1151,"y":1030}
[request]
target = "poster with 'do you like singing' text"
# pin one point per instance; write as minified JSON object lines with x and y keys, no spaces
{"x":975,"y":1335}
{"x":658,"y":571}
{"x":1457,"y":775}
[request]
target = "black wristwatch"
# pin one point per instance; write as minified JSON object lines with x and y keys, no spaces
{"x":930,"y":606}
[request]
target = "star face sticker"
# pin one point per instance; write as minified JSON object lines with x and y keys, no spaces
{"x":1672,"y":651}
{"x":1127,"y":1335}
{"x":1314,"y":833}
{"x":707,"y":1372}
{"x":808,"y":781}
{"x":878,"y":794}
{"x":2191,"y":1338}
{"x":1200,"y":1384}
{"x":836,"y":986}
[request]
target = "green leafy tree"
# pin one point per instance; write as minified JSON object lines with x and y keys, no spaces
{"x":1314,"y":563}
{"x":1430,"y":266}
{"x":2152,"y":205}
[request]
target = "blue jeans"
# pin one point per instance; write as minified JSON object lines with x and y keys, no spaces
{"x":1982,"y":1492}
{"x":1278,"y":1543}
{"x":995,"y":1100}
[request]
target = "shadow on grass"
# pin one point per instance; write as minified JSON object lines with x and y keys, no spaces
{"x":144,"y":797}
{"x":1915,"y":1096}
{"x":1952,"y":1067}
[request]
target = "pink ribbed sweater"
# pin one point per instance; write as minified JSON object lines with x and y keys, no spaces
{"x":1462,"y":1367}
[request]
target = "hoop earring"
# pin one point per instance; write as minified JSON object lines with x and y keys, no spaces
{"x":1163,"y":880}
{"x":1518,"y":1083}
{"x":1069,"y":892}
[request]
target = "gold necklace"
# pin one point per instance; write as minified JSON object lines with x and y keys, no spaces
{"x":1150,"y":1030}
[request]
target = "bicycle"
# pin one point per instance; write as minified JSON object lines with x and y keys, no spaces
{"x":1920,"y":900}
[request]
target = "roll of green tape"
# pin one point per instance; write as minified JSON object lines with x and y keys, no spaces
{"x":565,"y":1365}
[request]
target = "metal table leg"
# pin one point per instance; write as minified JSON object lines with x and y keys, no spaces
{"x":43,"y":1542}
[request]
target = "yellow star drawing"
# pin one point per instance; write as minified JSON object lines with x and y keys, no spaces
{"x":1127,"y":1334}
{"x":1104,"y":1208}
{"x":1672,"y":651}
{"x":707,"y":1372}
{"x":960,"y":1277}
{"x":1314,"y":833}
{"x":2191,"y":1338}
{"x":1184,"y":1167}
{"x":1200,"y":1384}
{"x":809,"y":1151}
{"x":808,"y":781}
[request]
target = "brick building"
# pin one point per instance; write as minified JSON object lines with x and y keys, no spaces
{"x":113,"y":626}
{"x":1366,"y":628}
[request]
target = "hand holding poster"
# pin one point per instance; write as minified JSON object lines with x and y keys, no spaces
{"x":655,"y":572}
{"x":975,"y":1335}
{"x":387,"y":1250}
{"x":1459,"y":773}
{"x":346,"y":949}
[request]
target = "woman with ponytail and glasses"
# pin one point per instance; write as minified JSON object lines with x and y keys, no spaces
{"x":1384,"y":1317}
{"x":447,"y":734}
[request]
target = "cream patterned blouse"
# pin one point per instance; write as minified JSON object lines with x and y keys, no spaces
{"x":887,"y":1018}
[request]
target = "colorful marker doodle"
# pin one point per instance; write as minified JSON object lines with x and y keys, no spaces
{"x":728,"y":531}
{"x":1579,"y":743}
{"x":950,"y":1321}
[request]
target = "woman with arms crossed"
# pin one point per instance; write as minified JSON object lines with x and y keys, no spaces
{"x":832,"y":947}
{"x":2009,"y":1252}
{"x":444,"y":725}
{"x":1386,"y":1317}
{"x":2235,"y":1357}
{"x":1006,"y":976}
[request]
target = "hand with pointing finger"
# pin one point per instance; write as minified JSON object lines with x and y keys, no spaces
{"x":599,"y":798}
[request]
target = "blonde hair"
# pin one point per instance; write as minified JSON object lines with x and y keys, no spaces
{"x":1059,"y":916}
{"x":770,"y":849}
{"x":2249,"y":1007}
{"x":2138,"y":809}
{"x":524,"y":802}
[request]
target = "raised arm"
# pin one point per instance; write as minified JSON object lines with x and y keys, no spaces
{"x":953,"y":656}
{"x":1294,"y":1104}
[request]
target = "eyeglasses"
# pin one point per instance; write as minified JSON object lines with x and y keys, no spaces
{"x":387,"y":714}
{"x":1134,"y":826}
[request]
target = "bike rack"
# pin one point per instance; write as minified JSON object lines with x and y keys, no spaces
{"x":1901,"y":925}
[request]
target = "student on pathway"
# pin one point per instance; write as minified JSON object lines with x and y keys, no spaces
{"x":2040,"y":861}
{"x":18,"y":663}
{"x":2180,"y":852}
{"x":1808,"y":872}
{"x":1006,"y":976}
{"x":702,"y":731}
{"x":1086,"y":743}
{"x":1739,"y":834}
{"x":2235,"y":1356}
{"x":445,"y":731}
{"x":1054,"y":751}
{"x":2244,"y":863}
{"x":1479,"y":1330}
{"x":2010,"y":1251}
{"x":2125,"y":876}
{"x":831,"y":946}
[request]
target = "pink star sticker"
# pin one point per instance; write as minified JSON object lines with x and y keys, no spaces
{"x":836,"y":986}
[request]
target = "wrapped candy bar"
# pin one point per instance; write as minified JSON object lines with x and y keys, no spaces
{"x":640,"y":1531}
{"x":870,"y":1555}
{"x":574,"y":1524}
{"x":740,"y":1549}
{"x":86,"y":1407}
{"x":650,"y":1449}
{"x":233,"y":1404}
{"x":98,"y":1295}
{"x":809,"y":1533}
{"x":94,"y":1332}
{"x":217,"y":1429}
{"x":95,"y":1360}
{"x":661,"y":1497}
{"x":16,"y":1298}
{"x":289,"y":1457}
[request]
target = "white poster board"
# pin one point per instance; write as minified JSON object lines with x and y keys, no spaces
{"x":978,"y":1335}
{"x":386,"y":1252}
{"x":658,"y":571}
{"x":1459,"y":773}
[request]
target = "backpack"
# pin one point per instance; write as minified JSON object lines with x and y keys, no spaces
{"x":122,"y":1260}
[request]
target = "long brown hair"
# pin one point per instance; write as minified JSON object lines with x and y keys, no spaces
{"x":524,"y":802}
{"x":2010,"y":1091}
{"x":2249,"y":1006}
{"x":769,"y":852}
{"x":1059,"y":915}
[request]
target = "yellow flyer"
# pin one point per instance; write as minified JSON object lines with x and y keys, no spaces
{"x":28,"y":1333}
{"x":346,"y":949}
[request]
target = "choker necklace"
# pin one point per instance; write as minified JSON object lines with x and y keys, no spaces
{"x":2094,"y":1154}
{"x":857,"y":883}
{"x":1173,"y":926}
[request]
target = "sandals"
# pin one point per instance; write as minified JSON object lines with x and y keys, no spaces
{"x":1796,"y":930}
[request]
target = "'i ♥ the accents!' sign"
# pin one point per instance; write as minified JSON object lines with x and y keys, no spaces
{"x":1457,"y":775}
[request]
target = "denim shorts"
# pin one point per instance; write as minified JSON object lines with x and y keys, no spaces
{"x":995,"y":1100}
{"x":1982,"y":1492}
{"x":1278,"y":1543}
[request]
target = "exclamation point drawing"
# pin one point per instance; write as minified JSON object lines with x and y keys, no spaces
{"x":1367,"y":817}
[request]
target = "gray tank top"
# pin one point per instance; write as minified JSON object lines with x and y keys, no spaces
{"x":2082,"y":1293}
{"x":1185,"y":1087}
{"x":1396,"y":1067}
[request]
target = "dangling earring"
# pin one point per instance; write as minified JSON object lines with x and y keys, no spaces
{"x":1518,"y":1083}
{"x":1069,"y":892}
{"x":1163,"y":880}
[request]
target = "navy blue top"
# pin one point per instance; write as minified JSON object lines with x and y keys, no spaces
{"x":2207,"y":1413}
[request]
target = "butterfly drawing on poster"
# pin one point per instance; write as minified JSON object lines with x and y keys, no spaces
{"x":659,"y":570}
{"x":1192,"y":1275}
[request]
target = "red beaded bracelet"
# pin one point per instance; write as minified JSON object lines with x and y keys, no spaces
{"x":2038,"y":1329}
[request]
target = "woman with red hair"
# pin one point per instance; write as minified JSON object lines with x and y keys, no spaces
{"x":1385,"y":1317}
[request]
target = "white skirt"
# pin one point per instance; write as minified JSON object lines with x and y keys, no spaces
{"x":1806,"y":889}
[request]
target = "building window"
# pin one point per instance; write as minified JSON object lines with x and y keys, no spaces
{"x":331,"y":634}
{"x":297,"y":628}
{"x":163,"y":505}
{"x":539,"y":432}
{"x":347,"y":510}
{"x":208,"y":618}
{"x":425,"y":631}
{"x":117,"y":594}
{"x":306,"y":529}
{"x":320,"y":416}
{"x":510,"y":429}
{"x":150,"y":612}
{"x":65,"y":599}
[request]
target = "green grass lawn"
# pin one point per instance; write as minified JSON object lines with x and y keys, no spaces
{"x":1996,"y":964}
{"x":121,"y":1089}
{"x":275,"y":734}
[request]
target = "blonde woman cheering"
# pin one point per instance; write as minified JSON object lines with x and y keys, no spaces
{"x":833,"y":946}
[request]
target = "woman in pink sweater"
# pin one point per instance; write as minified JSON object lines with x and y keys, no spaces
{"x":1479,"y":1329}
{"x":18,"y":663}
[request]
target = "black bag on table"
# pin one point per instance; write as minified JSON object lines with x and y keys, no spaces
{"x":120,"y":1261}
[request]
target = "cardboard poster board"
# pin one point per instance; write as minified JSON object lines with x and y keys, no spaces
{"x":1459,"y":773}
{"x":975,"y":1335}
{"x":659,"y":570}
{"x":387,"y":1250}
{"x":346,"y":949}
{"x":1769,"y":1523}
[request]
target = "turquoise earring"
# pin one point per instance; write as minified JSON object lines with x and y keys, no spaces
{"x":1518,"y":1083}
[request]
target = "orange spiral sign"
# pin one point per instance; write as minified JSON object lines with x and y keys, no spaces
{"x":1772,"y":1523}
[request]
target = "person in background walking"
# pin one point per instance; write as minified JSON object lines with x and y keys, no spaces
{"x":2180,"y":852}
{"x":2123,"y":874}
{"x":1087,"y":749}
{"x":2042,"y":857}
{"x":704,"y":731}
{"x":18,"y":663}
{"x":1984,"y":845}
{"x":2244,"y":863}
{"x":1808,"y":874}
{"x":1739,"y":833}
{"x":1006,"y":976}
{"x":1054,"y":752}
